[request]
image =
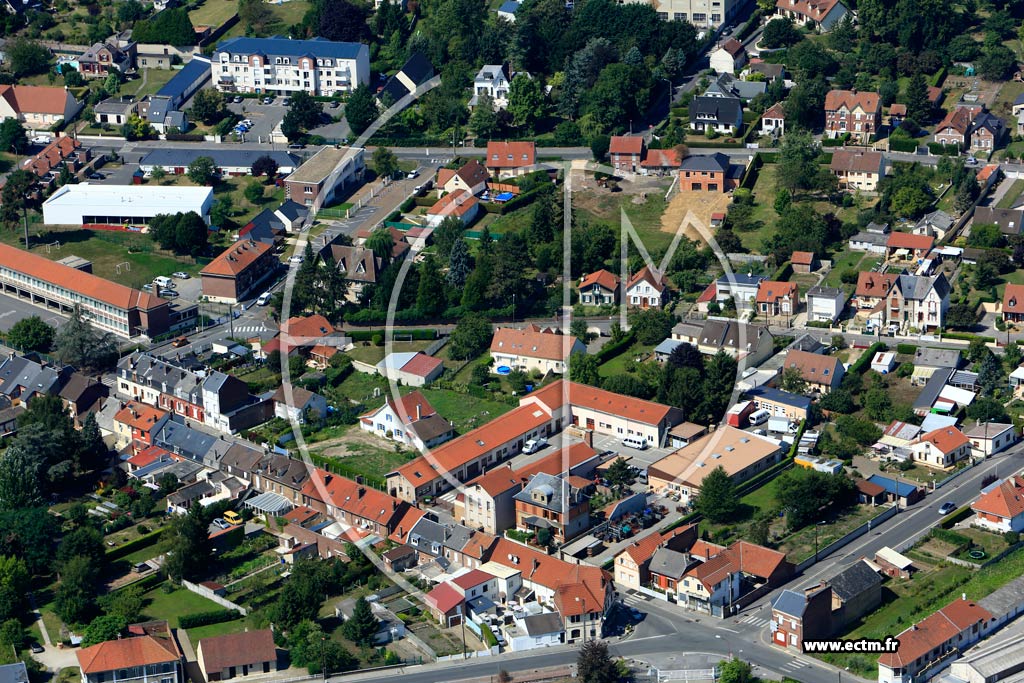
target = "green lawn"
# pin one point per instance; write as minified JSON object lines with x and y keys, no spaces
{"x":108,"y":251}
{"x":243,"y":210}
{"x":171,"y":606}
{"x":372,"y":354}
{"x":607,"y":207}
{"x":510,"y":222}
{"x":465,"y":411}
{"x":372,"y":461}
{"x":1012,"y":195}
{"x":359,"y":386}
{"x":847,"y":260}
{"x":147,"y":83}
{"x":617,"y":365}
{"x":213,"y":13}
{"x":223,"y":628}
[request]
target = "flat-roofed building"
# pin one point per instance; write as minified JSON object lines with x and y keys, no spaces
{"x":284,"y":66}
{"x":740,"y":454}
{"x":329,"y":173}
{"x":111,"y":307}
{"x":83,"y":203}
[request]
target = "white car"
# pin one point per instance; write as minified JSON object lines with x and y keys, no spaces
{"x":534,"y":445}
{"x":412,"y":174}
{"x":264,"y":299}
{"x":180,"y":274}
{"x":247,"y":122}
{"x":295,"y":259}
{"x":41,"y":139}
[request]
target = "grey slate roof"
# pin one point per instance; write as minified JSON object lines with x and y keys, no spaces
{"x":819,"y":290}
{"x":417,"y":68}
{"x":278,"y":46}
{"x":292,"y":210}
{"x":543,"y":624}
{"x":14,"y":673}
{"x":426,"y":532}
{"x":558,"y":491}
{"x":932,"y":389}
{"x":1008,"y":220}
{"x":723,"y":110}
{"x":854,"y":580}
{"x":670,"y":563}
{"x":19,"y":372}
{"x":169,"y":157}
{"x":917,"y":287}
{"x":790,"y":603}
{"x":190,"y":492}
{"x":717,"y":162}
{"x":937,"y":219}
{"x":873,"y":238}
{"x":730,"y":334}
{"x":728,"y":85}
{"x":184,"y":79}
{"x":183,"y":440}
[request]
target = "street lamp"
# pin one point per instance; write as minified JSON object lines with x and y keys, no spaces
{"x":822,"y":523}
{"x":323,"y":658}
{"x":584,"y":603}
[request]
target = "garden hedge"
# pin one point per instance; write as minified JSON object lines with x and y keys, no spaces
{"x":216,"y":616}
{"x":906,"y":349}
{"x":135,"y":544}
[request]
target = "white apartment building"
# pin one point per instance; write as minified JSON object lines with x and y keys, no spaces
{"x":280,"y":66}
{"x":703,"y":14}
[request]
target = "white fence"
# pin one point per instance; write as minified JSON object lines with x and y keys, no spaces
{"x":210,"y":595}
{"x":688,"y":675}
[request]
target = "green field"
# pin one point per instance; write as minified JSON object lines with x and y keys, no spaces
{"x":213,"y":13}
{"x":372,"y":354}
{"x":1013,"y":193}
{"x":617,"y":365}
{"x":223,"y":628}
{"x":233,"y":187}
{"x":108,"y":251}
{"x":148,"y":82}
{"x":465,"y":411}
{"x":606,"y":207}
{"x":847,"y":260}
{"x":171,"y":606}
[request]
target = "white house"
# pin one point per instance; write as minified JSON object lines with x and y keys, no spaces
{"x":989,"y":438}
{"x":773,"y":120}
{"x":728,"y":56}
{"x":646,"y":289}
{"x":825,"y":304}
{"x":460,"y":204}
{"x":284,"y":66}
{"x":883,"y":362}
{"x":494,"y":80}
{"x":941,"y":448}
{"x":821,"y":14}
{"x":533,"y":348}
{"x":535,"y":629}
{"x":304,"y":404}
{"x":412,"y":368}
{"x":410,"y":421}
{"x":918,"y":302}
{"x":1001,"y":507}
{"x":742,"y":289}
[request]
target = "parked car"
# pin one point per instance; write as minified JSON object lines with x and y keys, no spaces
{"x":233,"y":517}
{"x":412,"y":174}
{"x":169,"y":292}
{"x":947,"y":508}
{"x":41,"y":139}
{"x":237,"y":99}
{"x":221,"y":523}
{"x":247,"y":123}
{"x":179,"y":342}
{"x":534,"y":445}
{"x":180,"y":274}
{"x":334,"y":105}
{"x":268,"y":100}
{"x":96,"y":176}
{"x":286,"y":101}
{"x":295,"y":259}
{"x":264,"y":299}
{"x":36,"y":648}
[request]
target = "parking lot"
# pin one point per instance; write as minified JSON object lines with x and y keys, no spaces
{"x":264,"y":116}
{"x":13,"y":309}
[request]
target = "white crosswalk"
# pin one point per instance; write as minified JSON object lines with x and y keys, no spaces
{"x":249,"y":328}
{"x":793,"y":665}
{"x":756,"y":621}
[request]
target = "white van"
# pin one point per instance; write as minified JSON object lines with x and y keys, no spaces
{"x":759,"y":417}
{"x":635,"y":442}
{"x":264,"y":299}
{"x":162,"y":281}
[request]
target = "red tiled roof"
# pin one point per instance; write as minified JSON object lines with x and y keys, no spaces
{"x":708,"y":294}
{"x":125,"y":653}
{"x":605,"y":279}
{"x":236,"y":649}
{"x":906,"y":240}
{"x":355,"y":499}
{"x":1006,"y":500}
{"x":934,"y":94}
{"x":472,"y":579}
{"x":869,"y":488}
{"x":985,"y":173}
{"x":150,"y":455}
{"x":301,"y":514}
{"x":599,"y":400}
{"x":533,"y":342}
{"x":713,"y":571}
{"x":236,"y":258}
{"x":456,"y":203}
{"x":662,"y":158}
{"x":642,"y":550}
{"x":558,"y":462}
{"x":814,"y":367}
{"x":567,"y":580}
{"x":625,"y":144}
{"x":857,"y":161}
{"x":649,"y":275}
{"x":898,"y":110}
{"x":310,"y":326}
{"x":802,"y":258}
{"x":444,"y":598}
{"x":497,"y":481}
{"x":769,"y":291}
{"x":812,"y":9}
{"x":444,"y":175}
{"x":946,"y":439}
{"x":776,"y":111}
{"x":732,"y":46}
{"x":705,"y":549}
{"x":511,"y":154}
{"x":1013,"y":299}
{"x":405,"y":523}
{"x":755,"y":560}
{"x":875,"y":285}
{"x":422,"y":365}
{"x":139,"y":415}
{"x":35,"y":99}
{"x":75,"y":280}
{"x":959,"y":119}
{"x":472,"y":173}
{"x":838,"y":99}
{"x":933,"y":631}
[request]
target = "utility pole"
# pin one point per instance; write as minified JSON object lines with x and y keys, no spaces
{"x":24,"y":214}
{"x":231,"y":319}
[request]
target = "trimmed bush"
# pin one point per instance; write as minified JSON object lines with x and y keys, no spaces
{"x":612,"y":349}
{"x":939,"y":149}
{"x":864,"y":361}
{"x":902,"y":145}
{"x":967,"y":336}
{"x":134,"y":544}
{"x":217,"y":616}
{"x":960,"y":515}
{"x":368,"y":335}
{"x":906,"y":349}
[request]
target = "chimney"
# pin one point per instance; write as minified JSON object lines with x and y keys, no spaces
{"x":418,"y":411}
{"x":447,"y":533}
{"x":963,"y":596}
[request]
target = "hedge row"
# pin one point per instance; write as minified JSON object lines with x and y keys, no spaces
{"x":939,"y":149}
{"x":967,"y":336}
{"x":368,"y":335}
{"x":949,"y":521}
{"x":906,"y":349}
{"x":216,"y":616}
{"x":865,"y":358}
{"x":612,"y":349}
{"x":185,"y":137}
{"x":135,"y":544}
{"x":783,"y":272}
{"x":902,"y":145}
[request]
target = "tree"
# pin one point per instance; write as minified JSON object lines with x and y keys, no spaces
{"x":806,"y":495}
{"x":361,"y":109}
{"x":736,"y":670}
{"x":797,"y":162}
{"x":75,"y":599}
{"x":265,"y":165}
{"x":310,"y":647}
{"x":14,"y":582}
{"x":300,"y":596}
{"x":158,"y":173}
{"x":102,"y":629}
{"x":780,"y":33}
{"x":1012,"y":355}
{"x":14,"y":196}
{"x":526,"y":101}
{"x":21,"y":474}
{"x":220,"y":214}
{"x":986,"y":236}
{"x":919,"y":107}
{"x":651,"y":325}
{"x":256,"y":16}
{"x":30,"y":334}
{"x":430,"y":294}
{"x":254,"y":192}
{"x":471,"y":337}
{"x":303,"y":115}
{"x":189,"y":553}
{"x":484,"y":120}
{"x":26,"y":57}
{"x":583,"y":368}
{"x":961,"y":316}
{"x":385,"y":162}
{"x":208,"y":106}
{"x":184,"y":233}
{"x":838,"y":400}
{"x":987,"y":409}
{"x":966,"y":193}
{"x":171,"y":26}
{"x":793,"y":381}
{"x":460,"y":263}
{"x":717,"y":499}
{"x":341,"y":20}
{"x":362,"y":626}
{"x":620,"y":474}
{"x":595,"y":665}
{"x":381,"y":244}
{"x":877,"y":403}
{"x":130,"y":11}
{"x":997,"y":63}
{"x":202,"y":171}
{"x":84,"y":542}
{"x":13,"y":136}
{"x":991,"y":377}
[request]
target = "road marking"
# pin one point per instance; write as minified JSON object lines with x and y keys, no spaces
{"x":726,"y":628}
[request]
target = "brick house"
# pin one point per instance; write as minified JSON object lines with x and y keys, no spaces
{"x":986,"y":133}
{"x":239,"y":271}
{"x":560,"y":504}
{"x":955,"y":127}
{"x":102,"y":59}
{"x":705,"y":173}
{"x":632,"y":565}
{"x":625,"y":152}
{"x":800,"y":614}
{"x":953,"y":628}
{"x":777,"y":298}
{"x":847,"y":111}
{"x":821,"y":373}
{"x":1013,"y":303}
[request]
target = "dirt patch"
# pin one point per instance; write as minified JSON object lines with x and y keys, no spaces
{"x":686,"y":207}
{"x":338,"y":448}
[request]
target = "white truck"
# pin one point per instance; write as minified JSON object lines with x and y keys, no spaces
{"x":778,"y":425}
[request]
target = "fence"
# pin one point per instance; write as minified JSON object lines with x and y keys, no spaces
{"x":436,"y":346}
{"x":840,"y":542}
{"x":688,"y":674}
{"x":940,"y":484}
{"x":210,"y":595}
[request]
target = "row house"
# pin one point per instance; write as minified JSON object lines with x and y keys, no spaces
{"x":633,"y":564}
{"x":353,"y":503}
{"x":135,"y":426}
{"x":848,"y":111}
{"x":715,"y":585}
{"x":149,"y":652}
{"x":558,"y":503}
{"x":62,"y":152}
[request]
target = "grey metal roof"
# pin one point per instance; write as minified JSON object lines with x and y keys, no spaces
{"x":707,"y":162}
{"x":728,"y":85}
{"x":270,"y":503}
{"x":790,"y":603}
{"x":830,"y":292}
{"x":741,"y":279}
{"x":183,"y":80}
{"x":870,"y":238}
{"x":543,"y":624}
{"x":932,"y":389}
{"x":1006,"y":599}
{"x":14,"y":673}
{"x":114,"y":105}
{"x":670,"y":563}
{"x":936,"y":358}
{"x":667,"y":346}
{"x":169,"y":157}
{"x":855,"y":580}
{"x":779,"y":396}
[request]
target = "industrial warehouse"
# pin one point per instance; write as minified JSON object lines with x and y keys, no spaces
{"x":85,"y":204}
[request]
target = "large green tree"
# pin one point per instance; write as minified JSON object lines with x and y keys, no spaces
{"x":362,"y":626}
{"x":13,"y":137}
{"x":717,"y":499}
{"x":360,"y":109}
{"x":189,"y":554}
{"x":471,"y":337}
{"x":31,"y":334}
{"x":75,"y":599}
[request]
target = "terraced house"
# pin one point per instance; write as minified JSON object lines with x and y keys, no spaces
{"x":847,"y":111}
